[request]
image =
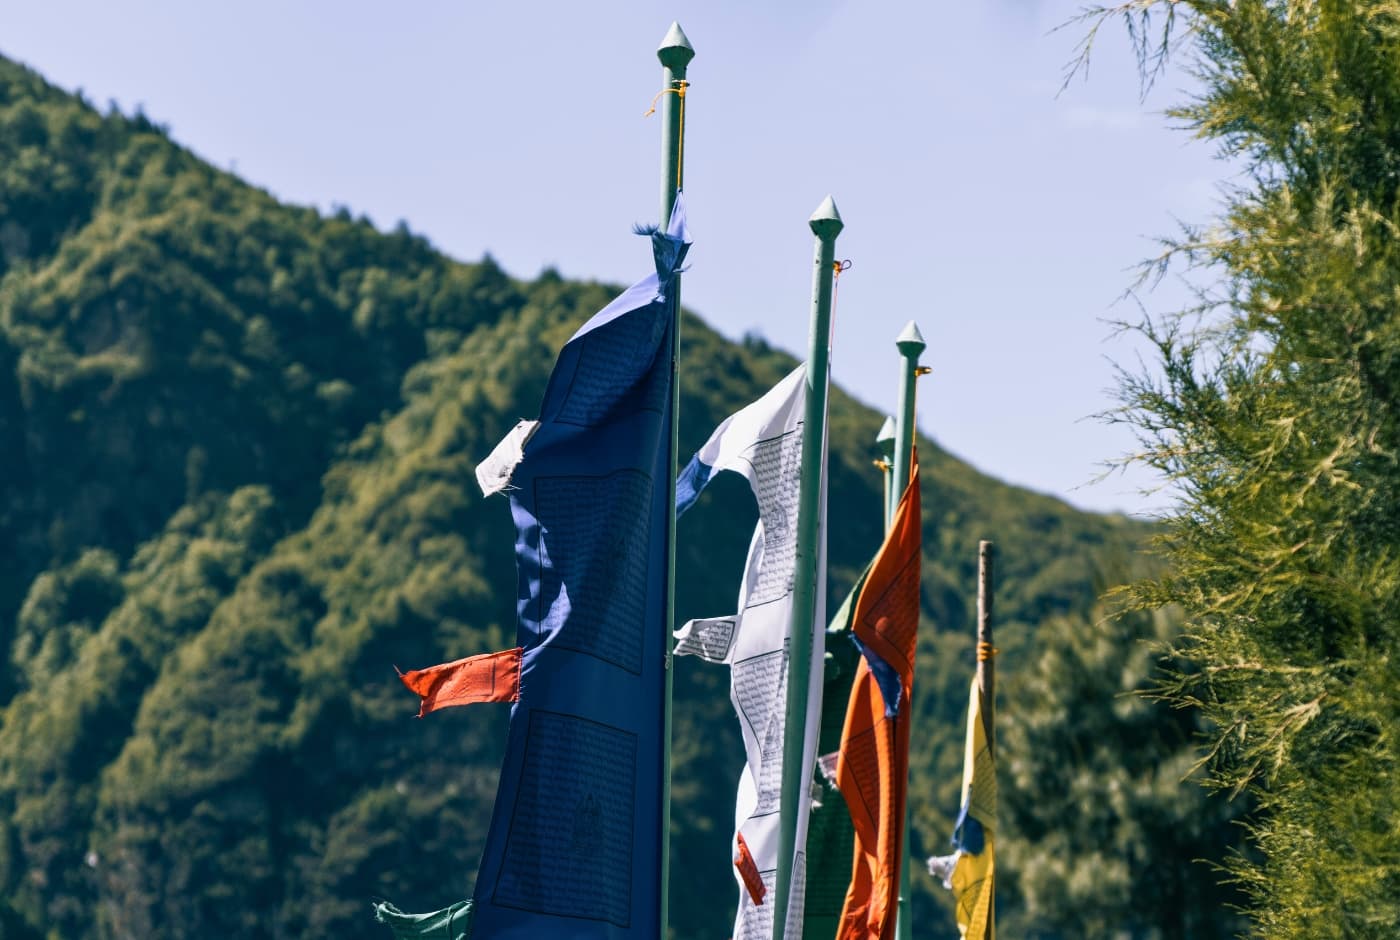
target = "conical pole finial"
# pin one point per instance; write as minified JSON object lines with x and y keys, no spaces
{"x":910,"y":341}
{"x":826,"y":221}
{"x":675,"y":51}
{"x":885,"y":442}
{"x":885,"y":439}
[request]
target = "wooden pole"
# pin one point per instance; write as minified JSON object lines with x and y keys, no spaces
{"x":986,"y":662}
{"x":986,"y":673}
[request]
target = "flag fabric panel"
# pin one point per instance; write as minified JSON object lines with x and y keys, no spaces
{"x":830,"y":834}
{"x":763,"y":442}
{"x":971,"y":870}
{"x":573,"y":851}
{"x":450,"y":923}
{"x":490,"y":677}
{"x":749,"y":873}
{"x":872,"y":770}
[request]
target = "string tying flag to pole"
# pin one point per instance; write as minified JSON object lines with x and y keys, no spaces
{"x":837,"y":268}
{"x":678,"y":89}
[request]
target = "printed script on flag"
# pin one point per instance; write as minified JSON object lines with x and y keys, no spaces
{"x":574,"y":844}
{"x":763,"y":442}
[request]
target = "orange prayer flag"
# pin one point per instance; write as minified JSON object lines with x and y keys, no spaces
{"x":872,"y":771}
{"x":490,"y":677}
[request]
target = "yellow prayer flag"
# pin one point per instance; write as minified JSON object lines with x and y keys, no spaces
{"x":973,"y":870}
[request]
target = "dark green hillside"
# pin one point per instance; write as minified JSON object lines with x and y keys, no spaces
{"x":238,"y":440}
{"x":170,"y":331}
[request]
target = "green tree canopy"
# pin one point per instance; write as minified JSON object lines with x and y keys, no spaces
{"x":1273,"y":413}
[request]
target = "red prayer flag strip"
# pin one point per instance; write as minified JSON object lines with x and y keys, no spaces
{"x":872,"y":771}
{"x":748,"y":870}
{"x":490,"y":677}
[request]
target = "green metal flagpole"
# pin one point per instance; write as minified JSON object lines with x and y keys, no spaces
{"x":826,"y":224}
{"x":910,"y":344}
{"x":885,"y":441}
{"x":675,"y":54}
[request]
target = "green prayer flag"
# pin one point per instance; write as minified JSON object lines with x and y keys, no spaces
{"x":830,"y":834}
{"x":450,"y":923}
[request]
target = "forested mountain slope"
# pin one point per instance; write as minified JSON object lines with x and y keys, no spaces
{"x":236,"y":451}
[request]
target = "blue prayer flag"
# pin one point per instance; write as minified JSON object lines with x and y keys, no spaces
{"x":574,"y":846}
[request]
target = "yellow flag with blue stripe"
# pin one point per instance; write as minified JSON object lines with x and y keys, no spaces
{"x":971,"y":870}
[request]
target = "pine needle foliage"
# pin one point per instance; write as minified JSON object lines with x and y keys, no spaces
{"x":1272,"y":411}
{"x":1105,"y":830}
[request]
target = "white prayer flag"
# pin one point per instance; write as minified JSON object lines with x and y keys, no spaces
{"x":763,"y":442}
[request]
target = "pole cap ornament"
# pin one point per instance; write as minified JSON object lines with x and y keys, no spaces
{"x":885,"y":439}
{"x":910,"y":341}
{"x":675,"y":51}
{"x":826,"y":221}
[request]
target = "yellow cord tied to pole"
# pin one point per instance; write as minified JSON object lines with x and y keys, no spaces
{"x":836,"y":267}
{"x":679,"y":91}
{"x":920,"y":372}
{"x":986,"y":651}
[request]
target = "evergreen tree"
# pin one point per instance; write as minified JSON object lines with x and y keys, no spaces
{"x":1106,"y":831}
{"x":1274,"y":416}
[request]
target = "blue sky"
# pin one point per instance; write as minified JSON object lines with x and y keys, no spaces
{"x":1003,"y":218}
